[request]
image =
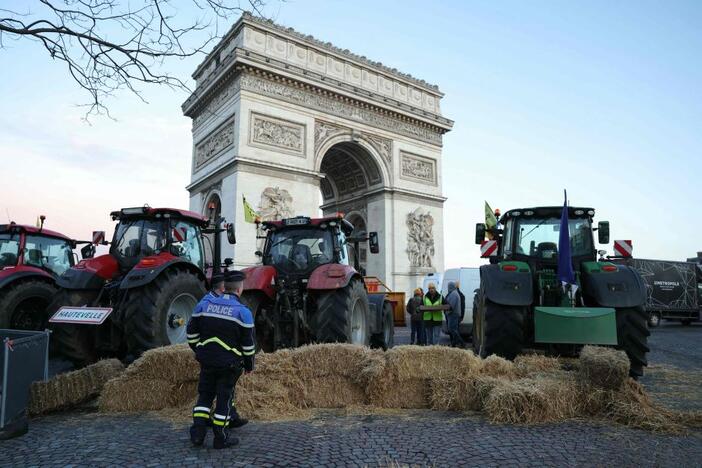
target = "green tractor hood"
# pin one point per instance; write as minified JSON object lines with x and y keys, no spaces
{"x":579,"y":325}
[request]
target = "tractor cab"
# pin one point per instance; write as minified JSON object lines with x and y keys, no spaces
{"x":301,"y":244}
{"x":146,"y":232}
{"x":28,"y":246}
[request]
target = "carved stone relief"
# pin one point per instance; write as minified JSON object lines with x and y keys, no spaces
{"x":220,"y":139}
{"x":420,"y":238}
{"x":324,"y":131}
{"x":216,"y":102}
{"x":419,"y":168}
{"x":276,"y":204}
{"x":337,"y":107}
{"x":278,"y":133}
{"x":382,"y":145}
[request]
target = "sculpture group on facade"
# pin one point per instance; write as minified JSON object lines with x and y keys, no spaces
{"x":420,"y":238}
{"x":276,"y":204}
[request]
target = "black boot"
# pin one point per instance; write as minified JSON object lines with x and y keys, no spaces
{"x":198,"y":434}
{"x":237,"y":422}
{"x":224,"y":442}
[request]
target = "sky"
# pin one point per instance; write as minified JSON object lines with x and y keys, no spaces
{"x":601,"y":98}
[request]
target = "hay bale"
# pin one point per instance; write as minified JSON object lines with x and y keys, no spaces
{"x":175,"y":364}
{"x":334,"y":392}
{"x":516,"y":402}
{"x":496,"y":366}
{"x":404,"y":379}
{"x":603,"y":367}
{"x":528,"y":364}
{"x":130,"y":395}
{"x":262,"y":397}
{"x":631,"y":406}
{"x":337,"y":359}
{"x":462,"y":393}
{"x":72,"y":388}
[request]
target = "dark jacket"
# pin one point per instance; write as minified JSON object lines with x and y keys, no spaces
{"x":221,"y":332}
{"x":413,"y":308}
{"x":463,"y":303}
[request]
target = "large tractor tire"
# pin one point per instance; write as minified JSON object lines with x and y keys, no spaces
{"x":74,"y":342}
{"x":386,"y":338}
{"x":498,"y":329}
{"x":158,"y":313}
{"x":264,"y":330}
{"x":343,"y":316}
{"x":632,"y":335}
{"x":23,"y":305}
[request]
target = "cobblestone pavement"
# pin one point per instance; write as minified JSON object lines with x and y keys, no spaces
{"x":418,"y":438}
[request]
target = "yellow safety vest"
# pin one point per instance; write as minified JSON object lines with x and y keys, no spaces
{"x":435,"y":315}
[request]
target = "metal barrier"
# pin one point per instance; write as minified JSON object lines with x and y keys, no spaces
{"x":25,"y":359}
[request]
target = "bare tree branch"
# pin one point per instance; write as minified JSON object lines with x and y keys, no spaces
{"x":113,"y":45}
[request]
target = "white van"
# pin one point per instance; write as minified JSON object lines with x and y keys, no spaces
{"x":469,"y":279}
{"x":432,"y":278}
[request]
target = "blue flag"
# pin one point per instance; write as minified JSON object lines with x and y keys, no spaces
{"x":565,"y":260}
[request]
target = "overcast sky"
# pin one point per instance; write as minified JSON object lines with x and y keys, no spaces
{"x":602,"y":98}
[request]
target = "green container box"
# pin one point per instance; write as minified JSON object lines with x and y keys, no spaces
{"x":580,"y":325}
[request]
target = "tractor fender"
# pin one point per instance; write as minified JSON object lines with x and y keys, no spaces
{"x":90,"y":273}
{"x":11,"y":275}
{"x":376,"y":301}
{"x":260,"y":278}
{"x":621,"y":288}
{"x":150,"y":268}
{"x":332,"y":276}
{"x":510,"y":288}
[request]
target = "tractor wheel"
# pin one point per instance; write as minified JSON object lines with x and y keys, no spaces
{"x":632,"y":335}
{"x":497,"y":329}
{"x":75,"y":342}
{"x":264,"y":331}
{"x":386,"y":338}
{"x":654,"y":319}
{"x":342,"y":315}
{"x":158,"y":313}
{"x":23,"y":305}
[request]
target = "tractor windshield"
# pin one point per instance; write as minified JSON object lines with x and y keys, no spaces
{"x":48,"y":253}
{"x":9,"y":249}
{"x":137,"y":238}
{"x":538,"y":237}
{"x":299,"y":249}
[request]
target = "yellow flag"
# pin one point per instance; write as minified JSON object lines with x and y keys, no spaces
{"x":250,"y":214}
{"x":490,"y":220}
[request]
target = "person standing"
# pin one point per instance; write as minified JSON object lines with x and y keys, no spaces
{"x":463,"y":300}
{"x":432,"y":318}
{"x":416,"y":322}
{"x":453,"y":316}
{"x":221,"y":333}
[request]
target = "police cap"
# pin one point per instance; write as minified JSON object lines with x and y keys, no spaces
{"x":234,"y":275}
{"x":217,"y":278}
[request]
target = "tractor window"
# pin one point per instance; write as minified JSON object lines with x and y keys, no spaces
{"x":538,"y":237}
{"x":187,"y":243}
{"x":139,"y":238}
{"x":48,"y":253}
{"x":343,"y":253}
{"x":300,"y":249}
{"x":9,"y":249}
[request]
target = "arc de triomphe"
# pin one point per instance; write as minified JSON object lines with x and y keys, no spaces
{"x":300,"y":127}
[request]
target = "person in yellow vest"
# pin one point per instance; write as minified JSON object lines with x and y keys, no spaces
{"x":433,"y":318}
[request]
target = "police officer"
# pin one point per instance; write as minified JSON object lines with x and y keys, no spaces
{"x":221,"y":332}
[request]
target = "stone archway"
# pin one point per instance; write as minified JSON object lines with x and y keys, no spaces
{"x":279,"y":116}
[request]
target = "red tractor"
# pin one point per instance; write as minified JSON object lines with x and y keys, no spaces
{"x":31,"y":259}
{"x":151,"y":279}
{"x":306,"y":291}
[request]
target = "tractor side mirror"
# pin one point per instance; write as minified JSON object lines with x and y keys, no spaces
{"x":88,"y":251}
{"x":231,"y":235}
{"x":373,"y":242}
{"x":479,"y":233}
{"x":603,"y":232}
{"x":258,"y":253}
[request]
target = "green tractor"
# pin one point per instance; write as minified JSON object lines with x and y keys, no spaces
{"x":522,"y":303}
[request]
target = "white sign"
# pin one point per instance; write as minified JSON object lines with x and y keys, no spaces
{"x":81,"y":315}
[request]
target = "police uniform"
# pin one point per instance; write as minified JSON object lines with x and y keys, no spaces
{"x":221,"y":332}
